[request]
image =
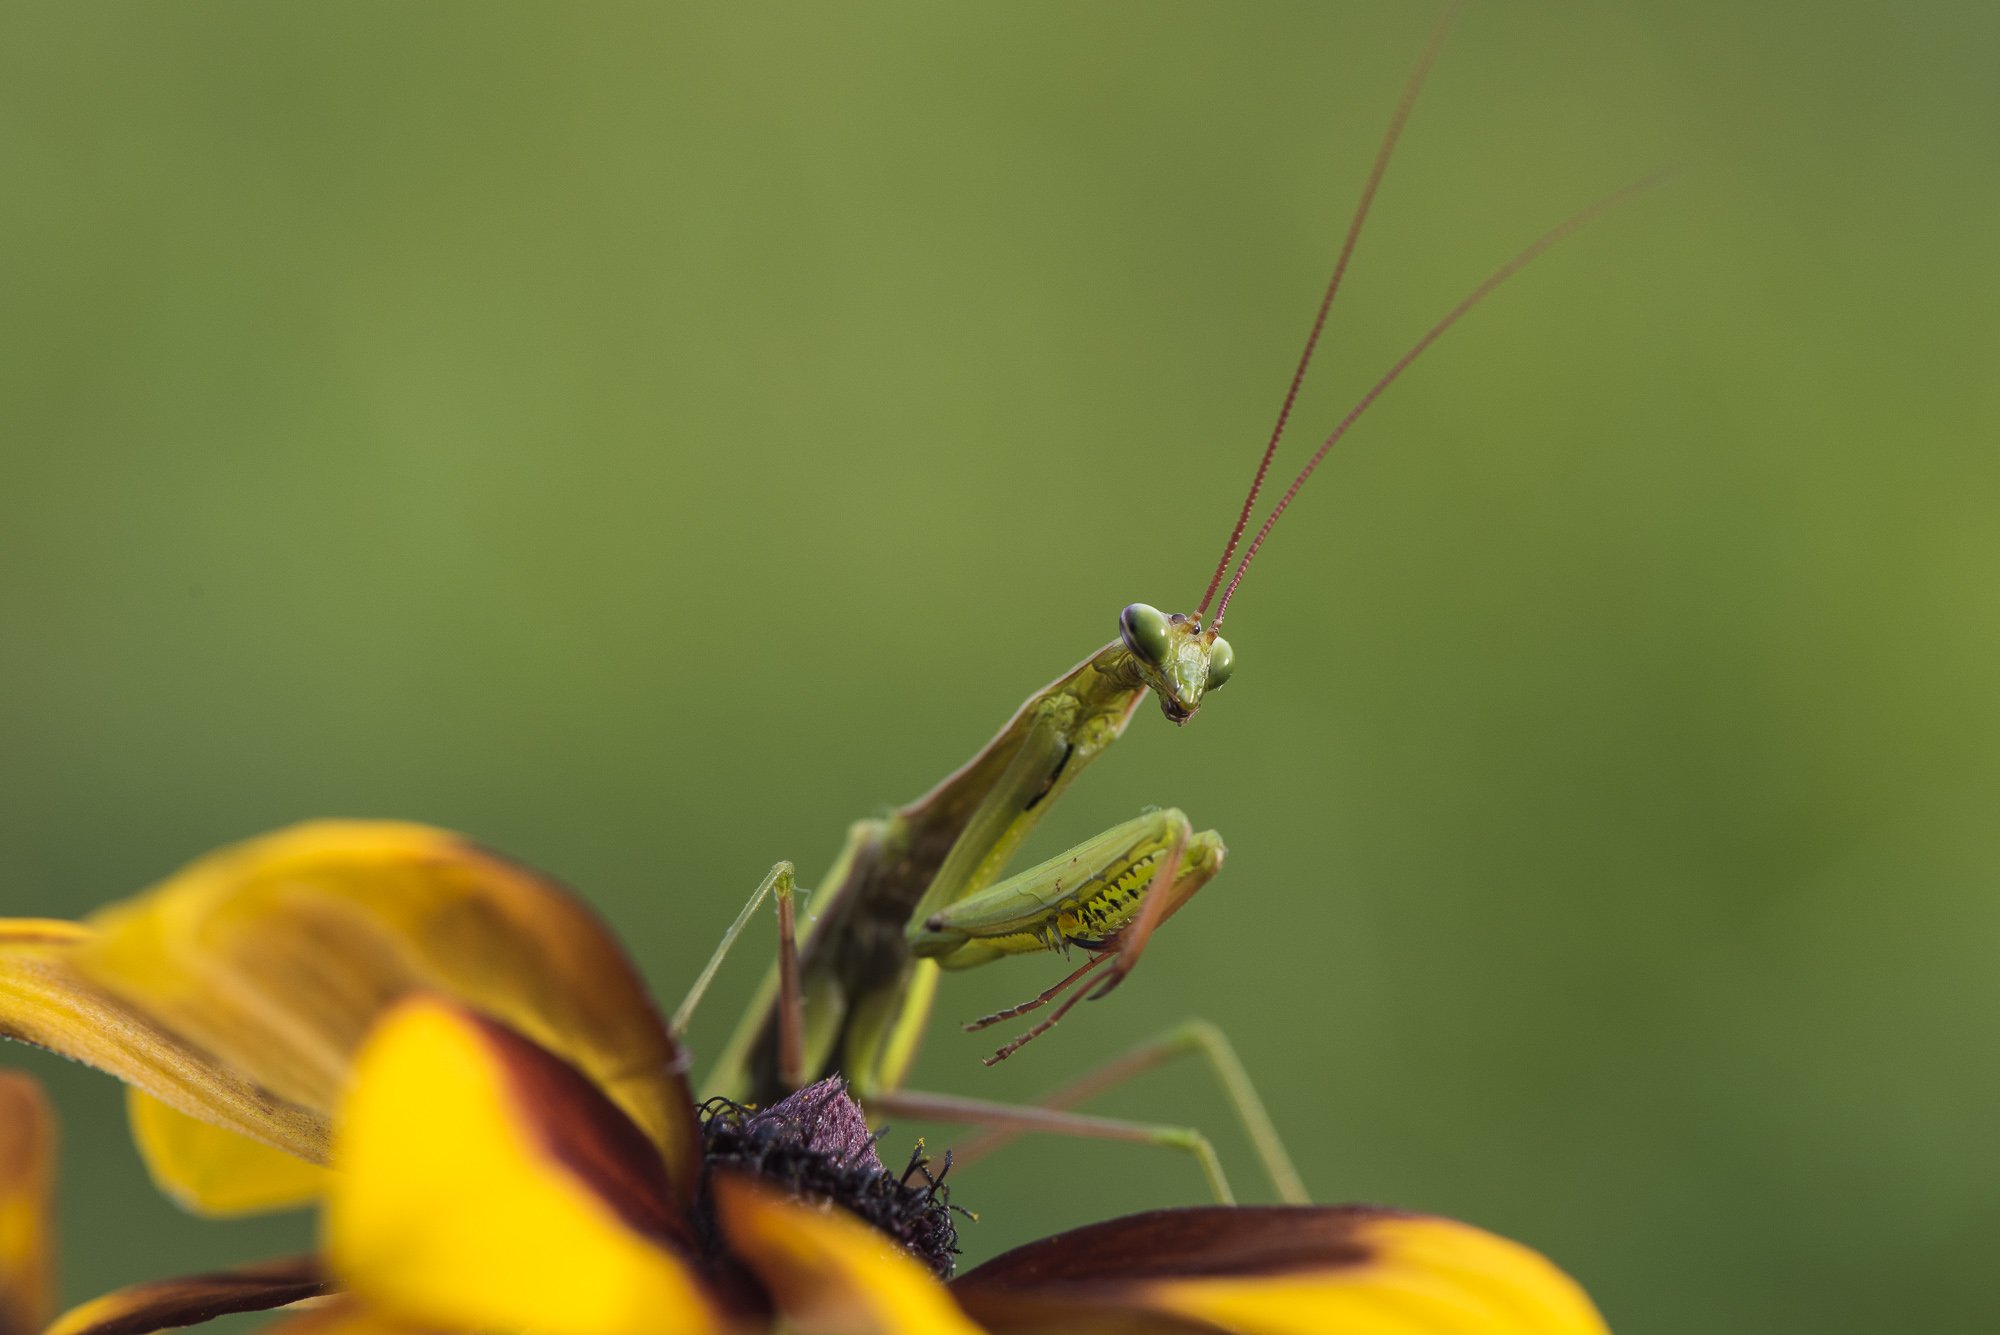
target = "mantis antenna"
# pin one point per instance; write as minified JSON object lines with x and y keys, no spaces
{"x":1411,"y":87}
{"x":1478,"y":294}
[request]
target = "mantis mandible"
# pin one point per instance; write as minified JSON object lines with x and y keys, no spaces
{"x":919,"y":891}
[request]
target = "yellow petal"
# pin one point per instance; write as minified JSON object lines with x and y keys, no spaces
{"x":484,"y":1184}
{"x":1424,"y":1275}
{"x":45,"y":1000}
{"x":1280,"y":1271}
{"x":342,"y":1315}
{"x":27,"y":1170}
{"x":166,"y":1303}
{"x":278,"y":954}
{"x":829,"y":1273}
{"x":214,"y":1172}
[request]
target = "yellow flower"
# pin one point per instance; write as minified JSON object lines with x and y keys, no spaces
{"x":27,"y":1147}
{"x":450,"y":1050}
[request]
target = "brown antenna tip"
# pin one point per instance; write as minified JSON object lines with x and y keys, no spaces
{"x":1404,"y":105}
{"x":1527,"y":256}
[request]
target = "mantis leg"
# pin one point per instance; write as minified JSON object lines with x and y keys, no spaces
{"x":820,"y":996}
{"x":1105,"y":895}
{"x":780,"y":879}
{"x":1097,"y":895}
{"x":1190,"y":1038}
{"x":1164,"y":898}
{"x":1015,"y":1119}
{"x":781,"y":882}
{"x":791,"y":1003}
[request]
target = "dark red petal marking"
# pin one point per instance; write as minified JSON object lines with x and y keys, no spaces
{"x":1183,"y":1244}
{"x":588,"y":1134}
{"x":191,"y":1299}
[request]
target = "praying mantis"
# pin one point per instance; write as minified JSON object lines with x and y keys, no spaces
{"x":919,"y":892}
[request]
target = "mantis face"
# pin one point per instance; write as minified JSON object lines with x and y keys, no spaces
{"x":1175,"y":657}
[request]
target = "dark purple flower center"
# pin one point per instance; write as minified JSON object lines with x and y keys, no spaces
{"x":816,"y":1146}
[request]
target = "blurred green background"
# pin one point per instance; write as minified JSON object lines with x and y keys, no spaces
{"x":649,"y":438}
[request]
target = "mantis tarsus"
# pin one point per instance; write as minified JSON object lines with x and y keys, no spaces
{"x":919,"y":890}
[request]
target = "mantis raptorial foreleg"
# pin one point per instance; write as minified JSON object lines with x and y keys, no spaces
{"x":1105,"y":895}
{"x":1093,"y":896}
{"x":1090,"y":895}
{"x":1089,"y":898}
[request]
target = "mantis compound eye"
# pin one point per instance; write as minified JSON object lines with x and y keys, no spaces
{"x":1221,"y":658}
{"x":1144,"y":630}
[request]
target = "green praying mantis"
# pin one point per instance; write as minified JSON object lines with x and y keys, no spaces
{"x":919,"y":892}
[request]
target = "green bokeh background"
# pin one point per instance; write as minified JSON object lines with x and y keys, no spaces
{"x":649,"y":438}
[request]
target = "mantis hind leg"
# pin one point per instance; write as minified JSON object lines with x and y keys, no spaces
{"x":1009,"y":1120}
{"x":1190,"y":1038}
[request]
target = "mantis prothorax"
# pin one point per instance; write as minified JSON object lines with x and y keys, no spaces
{"x":919,"y":890}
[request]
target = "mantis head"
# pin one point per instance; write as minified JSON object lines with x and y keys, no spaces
{"x":1178,"y":659}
